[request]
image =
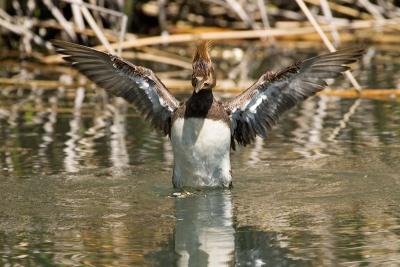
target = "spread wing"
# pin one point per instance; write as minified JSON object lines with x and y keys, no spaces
{"x":136,"y":84}
{"x":257,"y":109}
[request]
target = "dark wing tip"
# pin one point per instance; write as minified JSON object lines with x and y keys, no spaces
{"x":68,"y":48}
{"x":330,"y":65}
{"x":60,"y":46}
{"x":63,"y":45}
{"x":351,"y":49}
{"x":65,"y":49}
{"x":353,"y":52}
{"x":346,"y":55}
{"x":57,"y":42}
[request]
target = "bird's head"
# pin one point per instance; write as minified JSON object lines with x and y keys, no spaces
{"x":203,"y":77}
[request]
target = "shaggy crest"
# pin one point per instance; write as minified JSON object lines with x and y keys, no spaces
{"x":202,"y":61}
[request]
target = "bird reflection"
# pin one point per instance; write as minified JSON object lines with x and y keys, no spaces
{"x":204,"y":234}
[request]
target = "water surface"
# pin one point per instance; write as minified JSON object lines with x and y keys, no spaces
{"x":91,"y":187}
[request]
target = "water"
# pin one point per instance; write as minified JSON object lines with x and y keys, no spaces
{"x":91,"y":187}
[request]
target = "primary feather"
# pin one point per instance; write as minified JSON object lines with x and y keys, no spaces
{"x":136,"y":84}
{"x":258,"y":108}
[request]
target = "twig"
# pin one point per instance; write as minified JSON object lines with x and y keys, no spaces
{"x":264,"y":15}
{"x":162,"y":16}
{"x":78,"y":18}
{"x":5,"y":15}
{"x":124,"y":25}
{"x":241,"y":13}
{"x":43,"y":84}
{"x":228,"y":35}
{"x":96,"y":8}
{"x":371,"y":9}
{"x":160,"y":59}
{"x":21,"y":30}
{"x":325,"y":39}
{"x":329,"y":18}
{"x":60,"y":18}
{"x":110,"y":35}
{"x":352,"y":12}
{"x":223,"y":86}
{"x":249,"y":34}
{"x":89,"y":18}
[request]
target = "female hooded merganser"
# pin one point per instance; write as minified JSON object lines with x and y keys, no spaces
{"x":202,"y":129}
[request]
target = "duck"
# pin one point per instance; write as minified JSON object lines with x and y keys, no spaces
{"x":203,"y":130}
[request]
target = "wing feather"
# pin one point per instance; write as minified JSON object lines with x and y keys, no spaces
{"x":135,"y":84}
{"x":257,"y":109}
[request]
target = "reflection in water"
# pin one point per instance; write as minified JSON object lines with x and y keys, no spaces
{"x":256,"y":150}
{"x":255,"y":247}
{"x":48,"y":127}
{"x":119,"y":154}
{"x":71,"y":160}
{"x":343,"y":122}
{"x":308,"y":132}
{"x":315,"y":138}
{"x":284,"y":210}
{"x":167,"y":153}
{"x":204,"y":235}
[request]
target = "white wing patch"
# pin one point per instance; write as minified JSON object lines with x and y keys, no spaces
{"x":253,"y":108}
{"x":143,"y":84}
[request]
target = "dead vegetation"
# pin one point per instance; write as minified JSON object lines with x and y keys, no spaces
{"x":241,"y":30}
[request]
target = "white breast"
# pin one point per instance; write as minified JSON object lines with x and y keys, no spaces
{"x":201,"y":152}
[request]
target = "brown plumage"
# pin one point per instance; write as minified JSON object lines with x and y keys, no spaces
{"x":273,"y":92}
{"x":203,"y":76}
{"x":201,"y":60}
{"x":250,"y":114}
{"x":136,"y":84}
{"x":258,"y":108}
{"x":202,"y":53}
